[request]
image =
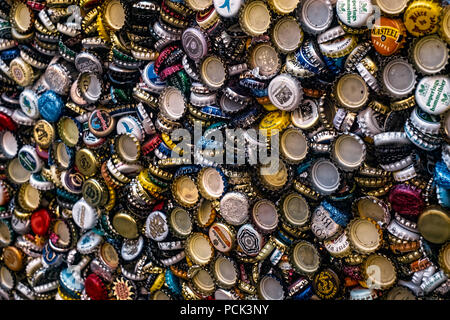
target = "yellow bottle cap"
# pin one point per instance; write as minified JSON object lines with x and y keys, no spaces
{"x":422,"y":17}
{"x":29,"y":197}
{"x":254,"y":18}
{"x":43,"y":133}
{"x":275,"y":120}
{"x":125,"y":225}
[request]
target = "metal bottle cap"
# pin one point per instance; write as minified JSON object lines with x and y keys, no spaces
{"x":249,"y":240}
{"x":325,"y":177}
{"x":29,"y":159}
{"x":265,"y":216}
{"x":434,"y":224}
{"x":270,"y":288}
{"x":315,"y":16}
{"x":228,"y":8}
{"x":84,"y":215}
{"x":287,"y":34}
{"x":306,"y":116}
{"x":430,"y":55}
{"x":349,"y":151}
{"x":225,"y":272}
{"x":213,"y":72}
{"x":222,"y":236}
{"x":392,"y":7}
{"x":234,"y":208}
{"x":199,"y":249}
{"x":180,"y":222}
{"x":285,"y":92}
{"x":194,"y":43}
{"x":264,"y":60}
{"x":172,"y":103}
{"x":433,"y":94}
{"x":156,"y":226}
{"x":28,"y":100}
{"x":305,"y":258}
{"x":354,"y":13}
{"x":351,"y":91}
{"x":254,"y":18}
{"x":293,"y":145}
{"x":399,"y":78}
{"x":125,"y":225}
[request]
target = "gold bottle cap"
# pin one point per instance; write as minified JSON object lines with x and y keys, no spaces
{"x":295,"y":210}
{"x":305,"y":258}
{"x":21,"y":72}
{"x":434,"y":224}
{"x":213,"y":72}
{"x":205,"y":214}
{"x":125,"y":225}
{"x":109,"y":255}
{"x":29,"y":197}
{"x":444,"y":258}
{"x":392,"y":7}
{"x":225,"y":272}
{"x":349,"y":151}
{"x":265,"y":57}
{"x":86,"y":162}
{"x":211,"y":184}
{"x":180,"y":222}
{"x":95,"y":193}
{"x":379,"y":272}
{"x":283,"y":6}
{"x":222,"y":236}
{"x":351,"y":92}
{"x":287,"y":34}
{"x":13,"y":258}
{"x":68,"y":131}
{"x":114,"y":14}
{"x":16,"y":173}
{"x":21,"y":17}
{"x":160,"y":295}
{"x":254,"y":18}
{"x":275,"y":120}
{"x":293,"y":145}
{"x":338,"y":247}
{"x":185,"y":191}
{"x":199,"y":249}
{"x":364,"y":234}
{"x":373,"y":208}
{"x":43,"y":133}
{"x":199,"y":5}
{"x":400,"y":293}
{"x":444,"y":30}
{"x":277,"y":179}
{"x":204,"y":282}
{"x":127,"y":147}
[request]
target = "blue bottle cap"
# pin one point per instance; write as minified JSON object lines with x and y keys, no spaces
{"x":50,"y":106}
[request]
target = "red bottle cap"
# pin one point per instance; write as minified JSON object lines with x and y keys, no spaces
{"x":7,"y":122}
{"x":406,"y":200}
{"x":95,"y":288}
{"x":40,"y":222}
